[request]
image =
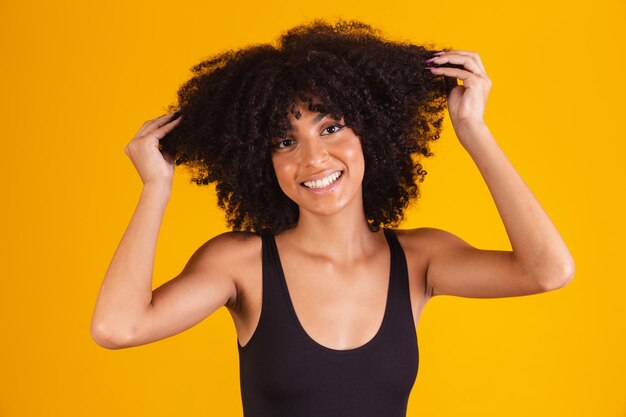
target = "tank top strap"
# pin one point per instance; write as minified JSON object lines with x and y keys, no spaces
{"x":273,"y":300}
{"x":401,"y":296}
{"x":274,"y":313}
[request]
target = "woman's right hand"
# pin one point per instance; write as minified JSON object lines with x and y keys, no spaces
{"x":153,"y":166}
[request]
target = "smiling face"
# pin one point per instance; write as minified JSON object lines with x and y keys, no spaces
{"x":319,"y":164}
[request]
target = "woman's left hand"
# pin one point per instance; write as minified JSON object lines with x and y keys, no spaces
{"x":466,"y":103}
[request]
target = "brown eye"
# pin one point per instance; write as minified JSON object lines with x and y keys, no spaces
{"x":339,"y":127}
{"x":284,"y":143}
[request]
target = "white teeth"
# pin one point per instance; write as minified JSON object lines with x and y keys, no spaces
{"x":324,"y":182}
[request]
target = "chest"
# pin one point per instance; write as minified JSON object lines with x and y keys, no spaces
{"x":337,"y":307}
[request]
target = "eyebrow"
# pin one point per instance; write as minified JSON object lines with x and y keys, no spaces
{"x":315,"y":121}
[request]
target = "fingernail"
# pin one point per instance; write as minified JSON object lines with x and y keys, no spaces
{"x":430,"y":60}
{"x":439,"y":53}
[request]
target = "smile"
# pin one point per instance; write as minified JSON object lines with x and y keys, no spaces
{"x":324,"y":182}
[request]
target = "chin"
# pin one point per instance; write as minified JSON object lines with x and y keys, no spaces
{"x":320,"y":206}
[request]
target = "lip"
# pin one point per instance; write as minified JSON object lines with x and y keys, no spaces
{"x":328,"y":187}
{"x":321,"y":175}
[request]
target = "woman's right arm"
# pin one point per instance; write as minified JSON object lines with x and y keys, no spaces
{"x":125,"y":313}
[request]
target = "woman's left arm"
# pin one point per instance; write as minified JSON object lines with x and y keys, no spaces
{"x":539,"y":260}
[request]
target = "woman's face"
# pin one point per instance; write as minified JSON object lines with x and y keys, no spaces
{"x":319,"y":164}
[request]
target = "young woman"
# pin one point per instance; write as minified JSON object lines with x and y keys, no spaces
{"x":314,"y":146}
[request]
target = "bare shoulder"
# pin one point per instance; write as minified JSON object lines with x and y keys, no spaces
{"x":411,"y":238}
{"x":231,"y":244}
{"x":425,"y":239}
{"x":236,"y":254}
{"x":420,"y":240}
{"x":231,"y":249}
{"x":425,"y":242}
{"x":422,"y":245}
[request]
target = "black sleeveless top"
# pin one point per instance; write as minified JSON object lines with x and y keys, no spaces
{"x":285,"y":373}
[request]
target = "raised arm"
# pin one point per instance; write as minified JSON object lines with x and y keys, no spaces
{"x":127,"y":313}
{"x":539,"y":261}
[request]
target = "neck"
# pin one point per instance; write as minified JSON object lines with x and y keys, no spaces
{"x":343,"y":236}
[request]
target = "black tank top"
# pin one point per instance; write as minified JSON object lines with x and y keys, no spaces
{"x":285,"y":373}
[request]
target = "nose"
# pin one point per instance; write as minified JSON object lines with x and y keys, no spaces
{"x":314,"y":152}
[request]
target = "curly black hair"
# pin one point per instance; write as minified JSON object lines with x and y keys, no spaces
{"x":238,"y":100}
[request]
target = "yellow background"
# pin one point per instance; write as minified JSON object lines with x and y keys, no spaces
{"x":77,"y":81}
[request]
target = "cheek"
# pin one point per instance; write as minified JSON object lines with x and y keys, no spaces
{"x":283,"y":169}
{"x":354,"y":154}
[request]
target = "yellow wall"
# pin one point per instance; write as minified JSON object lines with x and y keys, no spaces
{"x":78,"y":79}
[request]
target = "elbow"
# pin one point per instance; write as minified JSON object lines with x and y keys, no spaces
{"x":564,"y":275}
{"x":107,"y":339}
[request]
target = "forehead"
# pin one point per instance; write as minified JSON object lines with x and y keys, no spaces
{"x":304,"y":104}
{"x":300,"y":109}
{"x":312,"y":105}
{"x":317,"y":119}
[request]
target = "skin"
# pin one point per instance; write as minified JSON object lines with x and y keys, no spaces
{"x":334,"y":265}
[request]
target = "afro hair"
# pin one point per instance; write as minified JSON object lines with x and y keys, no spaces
{"x":237,"y":100}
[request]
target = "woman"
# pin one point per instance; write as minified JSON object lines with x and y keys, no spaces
{"x":313,"y":146}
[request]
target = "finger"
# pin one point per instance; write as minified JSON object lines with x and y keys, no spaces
{"x":160,"y":132}
{"x":453,"y":72}
{"x":467,"y":62}
{"x":156,"y":122}
{"x":473,"y":55}
{"x":169,"y":117}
